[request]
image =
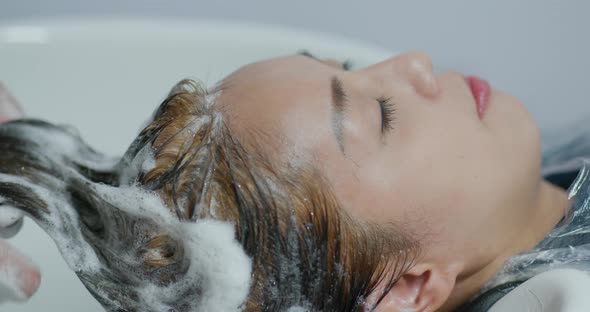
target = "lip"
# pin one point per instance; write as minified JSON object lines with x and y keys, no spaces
{"x":481,"y":91}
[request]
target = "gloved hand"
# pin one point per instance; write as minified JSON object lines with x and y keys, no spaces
{"x":19,"y":277}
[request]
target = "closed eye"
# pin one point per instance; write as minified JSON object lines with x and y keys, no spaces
{"x":347,"y":65}
{"x":387,"y":114}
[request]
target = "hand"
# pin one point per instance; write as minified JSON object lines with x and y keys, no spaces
{"x":19,"y":277}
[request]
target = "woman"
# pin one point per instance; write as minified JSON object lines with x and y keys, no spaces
{"x":389,"y":188}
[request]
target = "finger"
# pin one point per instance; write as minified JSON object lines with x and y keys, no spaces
{"x":9,"y":107}
{"x":19,"y":277}
{"x":11,"y":220}
{"x":9,"y":216}
{"x":10,"y":231}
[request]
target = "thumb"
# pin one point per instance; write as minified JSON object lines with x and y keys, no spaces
{"x":9,"y":107}
{"x":19,"y":277}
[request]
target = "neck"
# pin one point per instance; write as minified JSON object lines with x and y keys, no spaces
{"x":549,"y":206}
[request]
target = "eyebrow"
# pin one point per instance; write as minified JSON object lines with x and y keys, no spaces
{"x":339,"y":104}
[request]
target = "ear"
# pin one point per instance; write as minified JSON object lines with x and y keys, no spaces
{"x":423,"y":288}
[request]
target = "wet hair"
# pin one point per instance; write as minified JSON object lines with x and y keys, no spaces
{"x":306,"y":250}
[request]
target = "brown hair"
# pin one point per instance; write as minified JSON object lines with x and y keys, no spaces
{"x":306,"y":250}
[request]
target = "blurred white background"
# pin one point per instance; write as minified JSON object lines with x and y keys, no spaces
{"x":536,"y":49}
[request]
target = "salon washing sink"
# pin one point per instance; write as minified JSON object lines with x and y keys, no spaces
{"x":561,"y":290}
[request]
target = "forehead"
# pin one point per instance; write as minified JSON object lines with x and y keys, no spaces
{"x":287,"y":99}
{"x":280,"y":71}
{"x":282,"y":108}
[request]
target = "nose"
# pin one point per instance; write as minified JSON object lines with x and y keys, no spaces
{"x":416,"y":68}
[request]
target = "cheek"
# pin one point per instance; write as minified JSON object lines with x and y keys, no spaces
{"x":444,"y":215}
{"x":428,"y":203}
{"x":429,"y":183}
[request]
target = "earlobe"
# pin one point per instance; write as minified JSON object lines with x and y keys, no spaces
{"x":423,"y":288}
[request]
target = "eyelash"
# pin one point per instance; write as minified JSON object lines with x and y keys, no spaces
{"x":386,"y":105}
{"x":387,"y":113}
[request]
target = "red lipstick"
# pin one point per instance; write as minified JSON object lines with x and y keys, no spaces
{"x":481,"y":91}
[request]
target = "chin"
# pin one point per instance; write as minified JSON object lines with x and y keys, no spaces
{"x":531,"y":148}
{"x":511,"y":122}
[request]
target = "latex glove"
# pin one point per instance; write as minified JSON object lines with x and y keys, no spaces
{"x":19,"y":277}
{"x":9,"y":108}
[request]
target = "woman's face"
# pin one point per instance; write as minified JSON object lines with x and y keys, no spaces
{"x":425,"y":160}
